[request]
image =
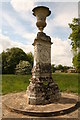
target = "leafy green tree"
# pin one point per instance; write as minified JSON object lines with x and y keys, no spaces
{"x":24,"y":67}
{"x":30,"y":58}
{"x":11,"y":58}
{"x":59,"y":67}
{"x":53,"y":68}
{"x":75,"y":42}
{"x":65,"y":68}
{"x":75,"y":35}
{"x":76,"y":62}
{"x":0,"y":64}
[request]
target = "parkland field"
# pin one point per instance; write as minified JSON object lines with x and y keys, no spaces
{"x":67,"y":82}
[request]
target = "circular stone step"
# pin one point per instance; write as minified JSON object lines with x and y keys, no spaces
{"x":17,"y":102}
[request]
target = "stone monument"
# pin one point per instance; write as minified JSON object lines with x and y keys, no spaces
{"x":42,"y":88}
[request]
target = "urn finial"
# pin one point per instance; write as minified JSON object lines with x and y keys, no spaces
{"x":41,"y":12}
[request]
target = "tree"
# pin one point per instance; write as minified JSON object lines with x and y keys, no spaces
{"x":30,"y":58}
{"x":65,"y":68}
{"x":75,"y":35}
{"x":11,"y":58}
{"x":76,"y":62}
{"x":59,"y":67}
{"x":0,"y":64}
{"x":53,"y":68}
{"x":75,"y":42}
{"x":24,"y":67}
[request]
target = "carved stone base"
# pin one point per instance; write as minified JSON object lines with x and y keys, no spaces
{"x":42,"y":91}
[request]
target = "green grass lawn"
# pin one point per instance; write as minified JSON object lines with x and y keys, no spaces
{"x":16,"y":83}
{"x":67,"y":82}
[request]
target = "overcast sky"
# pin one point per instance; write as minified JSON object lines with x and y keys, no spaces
{"x":19,"y":27}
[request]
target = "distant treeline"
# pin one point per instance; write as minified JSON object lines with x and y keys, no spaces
{"x":60,"y":68}
{"x":16,"y":61}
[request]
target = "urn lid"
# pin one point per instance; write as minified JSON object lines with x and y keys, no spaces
{"x":41,"y":7}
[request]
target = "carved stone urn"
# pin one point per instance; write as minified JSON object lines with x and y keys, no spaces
{"x":41,"y":13}
{"x":42,"y":88}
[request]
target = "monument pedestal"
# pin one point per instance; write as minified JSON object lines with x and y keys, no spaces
{"x":42,"y":88}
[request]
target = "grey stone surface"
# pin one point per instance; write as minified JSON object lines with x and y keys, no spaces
{"x":42,"y":88}
{"x":18,"y":101}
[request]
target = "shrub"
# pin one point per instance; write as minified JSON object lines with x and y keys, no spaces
{"x":24,"y":67}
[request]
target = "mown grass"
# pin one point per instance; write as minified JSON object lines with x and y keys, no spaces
{"x":68,"y":82}
{"x":16,"y":83}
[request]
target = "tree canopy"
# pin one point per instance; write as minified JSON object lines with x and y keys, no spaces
{"x":0,"y":64}
{"x":75,"y":35}
{"x":60,"y":67}
{"x":75,"y":42}
{"x":30,"y":58}
{"x":24,"y":67}
{"x":11,"y":57}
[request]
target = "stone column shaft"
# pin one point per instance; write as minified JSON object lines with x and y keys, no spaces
{"x":42,"y":89}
